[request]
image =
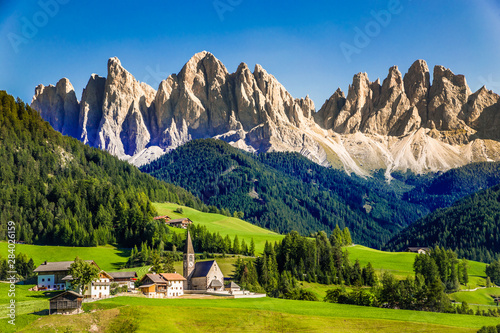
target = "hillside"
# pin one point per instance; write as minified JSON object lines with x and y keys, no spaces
{"x":256,"y":315}
{"x":284,"y":192}
{"x":224,"y":225}
{"x":471,"y":227}
{"x":445,"y":188}
{"x":59,"y":191}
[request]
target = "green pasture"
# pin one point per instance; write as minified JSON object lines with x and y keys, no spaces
{"x":223,"y":224}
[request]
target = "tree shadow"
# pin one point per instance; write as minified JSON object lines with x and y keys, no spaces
{"x":41,"y":312}
{"x":47,"y":294}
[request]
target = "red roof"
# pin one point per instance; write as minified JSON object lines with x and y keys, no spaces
{"x":161,"y":217}
{"x":173,"y":277}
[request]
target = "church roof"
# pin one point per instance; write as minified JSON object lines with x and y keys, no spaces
{"x":202,"y":268}
{"x":189,"y":245}
{"x":215,"y":283}
{"x":232,"y":285}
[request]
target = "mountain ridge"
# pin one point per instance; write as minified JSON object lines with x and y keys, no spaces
{"x":405,"y":122}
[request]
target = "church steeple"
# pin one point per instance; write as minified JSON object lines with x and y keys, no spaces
{"x":188,"y":261}
{"x":189,"y":245}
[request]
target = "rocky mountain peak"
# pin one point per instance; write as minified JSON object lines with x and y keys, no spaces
{"x":405,"y":122}
{"x":58,"y":105}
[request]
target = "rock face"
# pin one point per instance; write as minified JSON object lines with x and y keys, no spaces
{"x":404,"y":123}
{"x":58,"y":105}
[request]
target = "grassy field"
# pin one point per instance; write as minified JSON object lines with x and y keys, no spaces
{"x":225,"y":225}
{"x":401,"y":264}
{"x":256,"y":315}
{"x":480,"y":296}
{"x":107,"y":257}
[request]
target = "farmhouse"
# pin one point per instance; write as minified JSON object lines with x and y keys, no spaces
{"x":51,"y":274}
{"x":99,"y":288}
{"x":419,"y":250}
{"x":124,"y":279}
{"x":162,"y":285}
{"x":205,"y":275}
{"x":163,"y":217}
{"x":69,"y":302}
{"x":180,"y":223}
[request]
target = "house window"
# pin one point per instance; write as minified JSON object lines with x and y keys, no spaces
{"x":43,"y":280}
{"x":48,"y":279}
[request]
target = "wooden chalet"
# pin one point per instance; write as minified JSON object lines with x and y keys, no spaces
{"x":125,"y":278}
{"x":180,"y":223}
{"x":417,"y":249}
{"x":162,"y":285}
{"x":68,"y":302}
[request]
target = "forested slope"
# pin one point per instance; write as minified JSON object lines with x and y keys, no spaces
{"x":283,"y":191}
{"x":59,"y":191}
{"x":471,"y":227}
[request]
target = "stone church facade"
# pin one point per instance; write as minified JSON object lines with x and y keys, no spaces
{"x":204,"y":275}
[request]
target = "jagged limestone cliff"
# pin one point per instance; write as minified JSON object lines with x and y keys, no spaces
{"x":406,"y":122}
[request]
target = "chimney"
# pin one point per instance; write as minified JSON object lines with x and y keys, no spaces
{"x":45,"y":262}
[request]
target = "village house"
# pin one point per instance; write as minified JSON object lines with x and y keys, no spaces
{"x":55,"y":276}
{"x":68,"y":302}
{"x":162,"y":285}
{"x":100,"y":288}
{"x":165,"y":218}
{"x":419,"y":250}
{"x":51,"y":274}
{"x":180,"y":223}
{"x":204,"y":275}
{"x":124,"y":279}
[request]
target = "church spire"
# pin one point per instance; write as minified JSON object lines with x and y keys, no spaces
{"x":189,"y":245}
{"x":189,"y":262}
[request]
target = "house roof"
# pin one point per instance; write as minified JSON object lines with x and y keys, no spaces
{"x":416,"y":248}
{"x":161,"y":217}
{"x":216,"y":283}
{"x":155,"y":278}
{"x":123,"y":275}
{"x":189,"y":245}
{"x":232,"y":285}
{"x":146,"y":285}
{"x":57,"y":266}
{"x":180,"y":220}
{"x":67,"y":292}
{"x":202,"y":268}
{"x":107,"y":274}
{"x":173,"y":277}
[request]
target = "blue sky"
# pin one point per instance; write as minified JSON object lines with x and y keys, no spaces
{"x":300,"y":42}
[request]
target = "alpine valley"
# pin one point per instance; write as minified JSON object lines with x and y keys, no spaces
{"x":407,"y":122}
{"x":377,"y":160}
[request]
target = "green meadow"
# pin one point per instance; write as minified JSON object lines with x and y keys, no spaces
{"x":223,"y":224}
{"x":108,"y":257}
{"x":250,"y":315}
{"x":483,"y":296}
{"x":401,"y":264}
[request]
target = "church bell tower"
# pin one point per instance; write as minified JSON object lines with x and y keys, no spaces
{"x":188,"y":262}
